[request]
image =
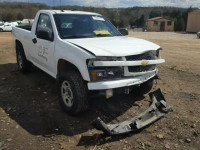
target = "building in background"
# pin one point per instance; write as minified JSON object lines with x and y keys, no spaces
{"x":160,"y":24}
{"x":193,"y":22}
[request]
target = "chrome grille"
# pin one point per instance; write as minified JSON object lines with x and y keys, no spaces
{"x":150,"y":55}
{"x":141,"y":68}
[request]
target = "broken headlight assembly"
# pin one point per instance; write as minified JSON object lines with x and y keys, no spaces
{"x":104,"y":73}
{"x":109,"y":73}
{"x":158,"y":55}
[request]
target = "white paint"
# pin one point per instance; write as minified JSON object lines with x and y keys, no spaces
{"x":67,"y":50}
{"x":115,"y":46}
{"x":127,"y":63}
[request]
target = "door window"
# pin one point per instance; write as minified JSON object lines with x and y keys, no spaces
{"x":44,"y":26}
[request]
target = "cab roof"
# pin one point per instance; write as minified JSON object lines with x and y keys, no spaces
{"x":69,"y":12}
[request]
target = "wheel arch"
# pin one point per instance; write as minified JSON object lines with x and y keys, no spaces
{"x":64,"y":65}
{"x":18,"y":44}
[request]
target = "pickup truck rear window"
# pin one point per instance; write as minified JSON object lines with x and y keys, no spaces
{"x":84,"y":26}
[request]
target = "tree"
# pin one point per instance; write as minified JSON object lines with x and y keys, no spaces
{"x":3,"y":17}
{"x":20,"y":16}
{"x":121,"y":23}
{"x":180,"y":25}
{"x":140,"y":22}
{"x":132,"y":21}
{"x":9,"y":17}
{"x":175,"y":14}
{"x":154,"y":14}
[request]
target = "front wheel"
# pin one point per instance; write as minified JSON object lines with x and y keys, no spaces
{"x":1,"y":30}
{"x":73,"y":92}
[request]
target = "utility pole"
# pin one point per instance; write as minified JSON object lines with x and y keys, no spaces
{"x":29,"y":12}
{"x":1,"y":11}
{"x":53,"y":4}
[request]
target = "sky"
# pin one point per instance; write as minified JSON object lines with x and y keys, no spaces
{"x":118,"y":3}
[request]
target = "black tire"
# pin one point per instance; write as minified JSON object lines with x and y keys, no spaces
{"x":23,"y":64}
{"x":1,"y":30}
{"x":79,"y":92}
{"x":144,"y":88}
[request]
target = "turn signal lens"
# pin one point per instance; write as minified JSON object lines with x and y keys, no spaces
{"x":94,"y":75}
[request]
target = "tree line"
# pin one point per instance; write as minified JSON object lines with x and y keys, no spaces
{"x":122,"y":17}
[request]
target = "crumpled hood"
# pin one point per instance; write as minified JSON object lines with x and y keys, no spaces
{"x":114,"y":46}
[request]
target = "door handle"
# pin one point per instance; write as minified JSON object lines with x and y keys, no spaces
{"x":34,"y":40}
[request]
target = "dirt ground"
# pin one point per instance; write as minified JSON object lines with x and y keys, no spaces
{"x":31,"y":118}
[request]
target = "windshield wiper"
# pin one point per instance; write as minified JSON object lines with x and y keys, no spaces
{"x":86,"y":36}
{"x":78,"y":36}
{"x":71,"y":37}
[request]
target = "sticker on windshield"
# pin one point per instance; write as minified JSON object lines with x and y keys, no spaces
{"x":98,"y":18}
{"x":104,"y":32}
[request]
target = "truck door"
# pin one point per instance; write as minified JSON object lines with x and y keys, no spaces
{"x":44,"y":41}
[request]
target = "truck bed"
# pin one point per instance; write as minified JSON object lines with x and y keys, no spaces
{"x":25,"y":27}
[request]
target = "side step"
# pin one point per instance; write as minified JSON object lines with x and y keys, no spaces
{"x":157,"y":110}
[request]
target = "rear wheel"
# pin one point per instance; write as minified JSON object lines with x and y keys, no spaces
{"x":1,"y":30}
{"x":73,"y":92}
{"x":23,"y":64}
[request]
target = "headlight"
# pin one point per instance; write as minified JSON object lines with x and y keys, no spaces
{"x":98,"y":74}
{"x":104,"y":73}
{"x":102,"y":58}
{"x":158,"y":53}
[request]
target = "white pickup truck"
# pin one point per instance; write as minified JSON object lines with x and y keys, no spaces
{"x":85,"y":52}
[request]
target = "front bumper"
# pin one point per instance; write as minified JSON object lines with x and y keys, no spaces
{"x":157,"y":110}
{"x":127,"y":63}
{"x":137,"y":70}
{"x":104,"y":85}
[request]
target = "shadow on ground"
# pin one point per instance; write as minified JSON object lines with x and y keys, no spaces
{"x":32,"y":101}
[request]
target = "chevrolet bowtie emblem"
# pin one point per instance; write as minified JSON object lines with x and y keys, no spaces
{"x":144,"y":63}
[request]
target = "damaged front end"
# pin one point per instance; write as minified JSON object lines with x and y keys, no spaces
{"x":157,"y":110}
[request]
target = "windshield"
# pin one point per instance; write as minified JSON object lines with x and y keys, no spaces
{"x":84,"y":26}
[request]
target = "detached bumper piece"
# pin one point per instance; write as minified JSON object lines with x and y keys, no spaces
{"x":157,"y":110}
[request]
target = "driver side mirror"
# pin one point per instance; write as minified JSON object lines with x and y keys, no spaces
{"x":45,"y":35}
{"x":123,"y":31}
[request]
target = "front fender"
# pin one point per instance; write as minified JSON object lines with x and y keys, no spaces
{"x":75,"y":55}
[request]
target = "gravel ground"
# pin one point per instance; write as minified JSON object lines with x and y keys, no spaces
{"x":31,"y":118}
